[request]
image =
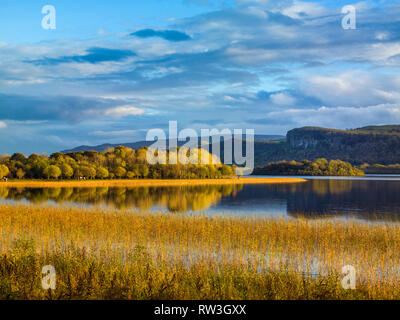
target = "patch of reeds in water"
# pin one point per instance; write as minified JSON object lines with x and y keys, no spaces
{"x":101,"y":254}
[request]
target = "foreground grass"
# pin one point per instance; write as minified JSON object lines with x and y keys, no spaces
{"x":142,"y":182}
{"x":122,"y":255}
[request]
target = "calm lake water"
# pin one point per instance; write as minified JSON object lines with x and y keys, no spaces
{"x":371,"y":197}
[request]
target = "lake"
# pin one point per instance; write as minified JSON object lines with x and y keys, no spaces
{"x":371,"y":197}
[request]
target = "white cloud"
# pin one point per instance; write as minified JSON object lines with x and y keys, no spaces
{"x":382,"y":35}
{"x":3,"y":125}
{"x":257,"y":12}
{"x":300,"y":9}
{"x":123,"y":111}
{"x":257,"y":46}
{"x":229,"y":98}
{"x":340,"y":117}
{"x":355,"y":88}
{"x":252,"y":2}
{"x":113,"y":133}
{"x":282,"y":99}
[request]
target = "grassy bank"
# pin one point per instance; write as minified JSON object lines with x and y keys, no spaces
{"x":142,"y":182}
{"x":122,"y":255}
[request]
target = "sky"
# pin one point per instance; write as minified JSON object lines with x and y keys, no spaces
{"x":112,"y":70}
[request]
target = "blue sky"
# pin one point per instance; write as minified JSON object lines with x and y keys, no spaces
{"x":111,"y":70}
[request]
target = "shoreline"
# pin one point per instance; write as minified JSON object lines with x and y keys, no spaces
{"x":144,"y":182}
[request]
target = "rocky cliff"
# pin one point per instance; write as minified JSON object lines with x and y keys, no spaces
{"x":374,"y":144}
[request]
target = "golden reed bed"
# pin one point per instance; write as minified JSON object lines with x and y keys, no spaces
{"x":144,"y":182}
{"x":111,"y":254}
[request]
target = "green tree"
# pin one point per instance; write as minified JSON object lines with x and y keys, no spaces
{"x":87,"y":171}
{"x":136,"y":170}
{"x":37,"y":164}
{"x":102,"y":173}
{"x":226,"y":171}
{"x":52,"y":172}
{"x":18,"y":157}
{"x":3,"y":171}
{"x":67,"y":171}
{"x":20,"y":173}
{"x":322,"y":163}
{"x":144,"y":170}
{"x":130,"y":175}
{"x":120,"y":172}
{"x":58,"y":156}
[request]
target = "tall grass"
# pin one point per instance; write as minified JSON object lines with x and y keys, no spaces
{"x":123,"y":255}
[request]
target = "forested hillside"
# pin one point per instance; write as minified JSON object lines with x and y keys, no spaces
{"x":373,"y":144}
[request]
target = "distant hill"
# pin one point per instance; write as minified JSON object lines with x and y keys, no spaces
{"x":102,"y":147}
{"x":372,"y":144}
{"x":140,"y":144}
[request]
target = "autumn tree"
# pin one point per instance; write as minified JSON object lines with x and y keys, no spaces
{"x":3,"y":171}
{"x":102,"y":173}
{"x":52,"y":172}
{"x":120,"y":172}
{"x":87,"y":171}
{"x":144,"y":170}
{"x":226,"y":171}
{"x":18,"y":157}
{"x":20,"y":173}
{"x":67,"y":171}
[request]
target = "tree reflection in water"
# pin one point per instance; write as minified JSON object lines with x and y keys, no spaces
{"x":365,"y":199}
{"x":174,"y":199}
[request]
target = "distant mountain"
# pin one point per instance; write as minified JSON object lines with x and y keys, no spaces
{"x":102,"y":147}
{"x":140,"y":144}
{"x":372,"y":144}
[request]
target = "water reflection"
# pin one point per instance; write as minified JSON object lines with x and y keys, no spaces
{"x":174,"y":199}
{"x":365,"y":198}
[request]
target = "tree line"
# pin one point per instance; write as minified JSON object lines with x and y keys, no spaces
{"x":113,"y":163}
{"x":380,"y":168}
{"x":320,"y":167}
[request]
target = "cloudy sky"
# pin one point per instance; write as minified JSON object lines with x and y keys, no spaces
{"x":111,"y":70}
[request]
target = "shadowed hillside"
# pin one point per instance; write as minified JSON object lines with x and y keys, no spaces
{"x":373,"y":144}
